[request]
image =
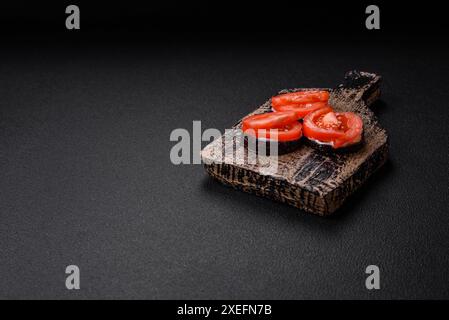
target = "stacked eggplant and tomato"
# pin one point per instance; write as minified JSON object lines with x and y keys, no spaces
{"x":308,"y":114}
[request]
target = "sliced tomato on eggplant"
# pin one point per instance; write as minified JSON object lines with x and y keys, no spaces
{"x":282,"y":128}
{"x":338,"y":130}
{"x":300,"y":97}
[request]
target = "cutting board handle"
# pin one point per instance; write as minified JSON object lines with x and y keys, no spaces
{"x":361,"y":85}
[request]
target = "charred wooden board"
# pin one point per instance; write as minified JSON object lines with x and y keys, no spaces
{"x":308,"y":178}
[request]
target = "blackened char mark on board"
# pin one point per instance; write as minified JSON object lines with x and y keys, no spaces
{"x":240,"y":175}
{"x":311,"y":163}
{"x":323,"y":174}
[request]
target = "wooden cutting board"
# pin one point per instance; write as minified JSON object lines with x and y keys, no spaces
{"x":307,"y":178}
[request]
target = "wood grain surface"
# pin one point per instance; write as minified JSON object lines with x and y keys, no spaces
{"x":307,"y":178}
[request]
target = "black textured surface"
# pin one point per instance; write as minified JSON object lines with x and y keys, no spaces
{"x":86,"y":177}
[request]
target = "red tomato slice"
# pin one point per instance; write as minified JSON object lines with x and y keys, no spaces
{"x":353,"y":134}
{"x":290,"y":132}
{"x":340,"y":129}
{"x":315,"y":128}
{"x":300,"y":97}
{"x":301,"y":110}
{"x":270,"y":120}
{"x":282,"y":126}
